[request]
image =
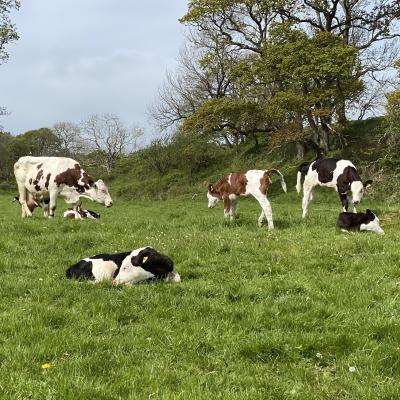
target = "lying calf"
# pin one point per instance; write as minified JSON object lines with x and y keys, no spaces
{"x":80,"y":213}
{"x":367,"y":221}
{"x":128,"y":268}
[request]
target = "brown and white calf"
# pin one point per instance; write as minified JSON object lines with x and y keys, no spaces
{"x":253,"y":182}
{"x":80,"y":213}
{"x":46,"y":178}
{"x":340,"y":175}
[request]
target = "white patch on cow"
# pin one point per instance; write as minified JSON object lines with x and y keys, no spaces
{"x":102,"y":270}
{"x":357,"y":190}
{"x":72,"y":214}
{"x":173,"y":277}
{"x":99,"y":193}
{"x":212,"y":200}
{"x":373,"y":226}
{"x":130,"y":274}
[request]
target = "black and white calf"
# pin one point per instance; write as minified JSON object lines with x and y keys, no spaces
{"x":129,"y":267}
{"x":341,"y":175}
{"x":367,"y":221}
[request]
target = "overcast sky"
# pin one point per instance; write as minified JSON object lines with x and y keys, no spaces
{"x":75,"y":58}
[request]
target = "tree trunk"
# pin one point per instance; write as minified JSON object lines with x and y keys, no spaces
{"x":300,"y":150}
{"x":325,"y":137}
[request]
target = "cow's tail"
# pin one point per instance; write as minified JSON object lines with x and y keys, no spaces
{"x":301,"y":172}
{"x":283,"y":183}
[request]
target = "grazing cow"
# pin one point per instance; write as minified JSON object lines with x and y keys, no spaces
{"x":341,"y":175}
{"x":80,"y":213}
{"x":367,"y":221}
{"x":49,"y":177}
{"x":130,"y":267}
{"x":254,"y":182}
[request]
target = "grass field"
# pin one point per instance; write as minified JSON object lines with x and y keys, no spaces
{"x":302,"y":312}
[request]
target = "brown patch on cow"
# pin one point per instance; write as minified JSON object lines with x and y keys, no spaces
{"x":227,"y":204}
{"x":265,"y":181}
{"x":39,"y":166}
{"x":222,"y":189}
{"x":46,"y":185}
{"x":71,"y":178}
{"x":39,"y":176}
{"x":87,"y":180}
{"x":238,"y":183}
{"x":70,"y":216}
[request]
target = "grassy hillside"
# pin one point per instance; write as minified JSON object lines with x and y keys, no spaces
{"x":302,"y":312}
{"x":135,"y":178}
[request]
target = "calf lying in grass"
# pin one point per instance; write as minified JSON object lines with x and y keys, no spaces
{"x":367,"y":221}
{"x":131,"y":267}
{"x":80,"y":213}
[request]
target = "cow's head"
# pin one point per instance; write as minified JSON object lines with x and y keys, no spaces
{"x":212,"y":196}
{"x":99,"y":192}
{"x":371,"y":223}
{"x":357,"y":190}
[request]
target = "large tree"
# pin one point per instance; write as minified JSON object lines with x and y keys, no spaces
{"x":366,"y":29}
{"x":109,"y":137}
{"x":8,"y":33}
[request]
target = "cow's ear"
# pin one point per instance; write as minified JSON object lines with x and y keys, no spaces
{"x":210,"y":187}
{"x":367,"y":183}
{"x":369,"y":212}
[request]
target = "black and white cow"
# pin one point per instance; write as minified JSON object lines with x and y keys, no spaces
{"x":46,"y":178}
{"x":129,"y":267}
{"x":341,"y":175}
{"x":367,"y":221}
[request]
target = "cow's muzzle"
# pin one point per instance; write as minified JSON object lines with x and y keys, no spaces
{"x":355,"y":202}
{"x":108,"y":205}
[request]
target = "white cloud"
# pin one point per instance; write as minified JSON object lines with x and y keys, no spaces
{"x":75,"y":58}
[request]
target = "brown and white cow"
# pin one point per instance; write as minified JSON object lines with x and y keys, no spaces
{"x":341,"y":175}
{"x":253,"y":182}
{"x":46,"y":178}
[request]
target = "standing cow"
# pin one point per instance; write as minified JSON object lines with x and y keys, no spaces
{"x":235,"y":184}
{"x":341,"y":175}
{"x":46,"y":178}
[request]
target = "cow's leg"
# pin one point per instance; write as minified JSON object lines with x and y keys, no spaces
{"x":232,"y":210}
{"x":53,"y":203}
{"x":345,"y":201}
{"x":266,"y":208}
{"x":261,"y":219}
{"x":227,"y":207}
{"x":46,"y":208}
{"x":307,"y":197}
{"x":26,"y":212}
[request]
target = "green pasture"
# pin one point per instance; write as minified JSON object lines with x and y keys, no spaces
{"x":301,"y":312}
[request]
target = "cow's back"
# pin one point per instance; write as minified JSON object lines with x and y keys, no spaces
{"x":28,"y":167}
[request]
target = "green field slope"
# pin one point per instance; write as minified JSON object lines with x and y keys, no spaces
{"x":302,"y":312}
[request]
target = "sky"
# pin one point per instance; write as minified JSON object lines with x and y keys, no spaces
{"x":76,"y":58}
